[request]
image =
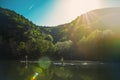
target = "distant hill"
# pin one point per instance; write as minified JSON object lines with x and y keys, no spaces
{"x":105,"y":18}
{"x":101,"y":18}
{"x":95,"y":34}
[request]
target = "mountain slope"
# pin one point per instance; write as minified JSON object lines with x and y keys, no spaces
{"x":92,"y":36}
{"x":95,"y":34}
{"x":107,"y":18}
{"x":20,"y":37}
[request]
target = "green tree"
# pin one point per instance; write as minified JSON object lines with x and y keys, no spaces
{"x":63,"y":49}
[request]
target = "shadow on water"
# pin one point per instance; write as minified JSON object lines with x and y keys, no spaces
{"x":13,"y":70}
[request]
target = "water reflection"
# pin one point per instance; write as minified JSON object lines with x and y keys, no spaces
{"x":13,"y":70}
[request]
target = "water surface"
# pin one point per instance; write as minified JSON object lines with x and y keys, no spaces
{"x":14,"y":70}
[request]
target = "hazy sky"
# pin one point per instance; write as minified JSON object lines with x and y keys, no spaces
{"x":55,"y":12}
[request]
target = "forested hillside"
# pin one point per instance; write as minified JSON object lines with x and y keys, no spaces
{"x":88,"y":37}
{"x":20,"y":37}
{"x":94,"y":35}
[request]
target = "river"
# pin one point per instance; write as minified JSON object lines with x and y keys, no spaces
{"x":81,"y":70}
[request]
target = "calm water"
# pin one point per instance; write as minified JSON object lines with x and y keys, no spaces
{"x":14,"y":70}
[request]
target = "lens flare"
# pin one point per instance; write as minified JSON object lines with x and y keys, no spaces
{"x":35,"y":75}
{"x":44,"y":62}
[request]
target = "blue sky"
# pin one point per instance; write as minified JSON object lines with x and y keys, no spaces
{"x":55,"y":12}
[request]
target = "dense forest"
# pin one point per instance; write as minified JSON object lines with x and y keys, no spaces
{"x":75,"y":40}
{"x":20,"y":37}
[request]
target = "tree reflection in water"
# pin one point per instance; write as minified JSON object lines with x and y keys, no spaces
{"x":11,"y":70}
